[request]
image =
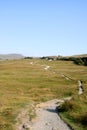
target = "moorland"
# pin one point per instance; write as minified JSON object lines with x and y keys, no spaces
{"x":26,"y":81}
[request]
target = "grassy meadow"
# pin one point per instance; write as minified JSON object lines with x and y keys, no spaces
{"x":26,"y":81}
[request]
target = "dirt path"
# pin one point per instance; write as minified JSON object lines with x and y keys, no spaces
{"x":47,"y":118}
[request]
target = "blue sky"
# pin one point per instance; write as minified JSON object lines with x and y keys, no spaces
{"x":43,"y":27}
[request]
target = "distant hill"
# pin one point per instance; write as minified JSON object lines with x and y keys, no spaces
{"x":81,"y":55}
{"x":10,"y":56}
{"x":77,"y":59}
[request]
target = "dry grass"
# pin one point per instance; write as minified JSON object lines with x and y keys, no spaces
{"x":22,"y":82}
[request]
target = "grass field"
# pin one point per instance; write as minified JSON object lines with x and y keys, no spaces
{"x":25,"y":81}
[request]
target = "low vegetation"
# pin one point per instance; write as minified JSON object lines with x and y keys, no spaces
{"x":76,"y":60}
{"x":74,"y":112}
{"x":25,"y":81}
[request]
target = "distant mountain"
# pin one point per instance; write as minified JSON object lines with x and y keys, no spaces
{"x":10,"y":56}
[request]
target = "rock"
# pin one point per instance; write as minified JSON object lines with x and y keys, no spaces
{"x":54,"y":128}
{"x":47,"y":124}
{"x":25,"y":126}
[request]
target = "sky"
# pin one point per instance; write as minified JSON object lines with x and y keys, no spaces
{"x":43,"y":27}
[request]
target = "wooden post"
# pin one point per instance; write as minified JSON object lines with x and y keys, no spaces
{"x":80,"y":87}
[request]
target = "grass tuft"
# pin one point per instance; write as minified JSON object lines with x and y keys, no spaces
{"x":82,"y":119}
{"x":67,"y":106}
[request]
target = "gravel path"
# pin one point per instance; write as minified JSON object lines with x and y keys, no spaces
{"x":47,"y":117}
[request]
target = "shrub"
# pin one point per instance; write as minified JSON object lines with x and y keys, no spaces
{"x":28,"y":57}
{"x":81,"y":61}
